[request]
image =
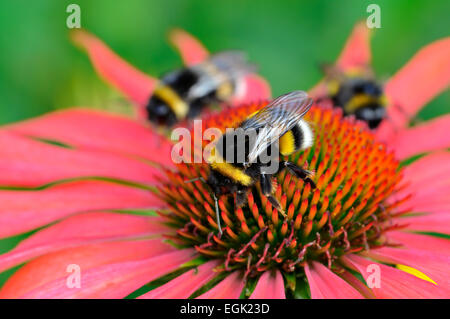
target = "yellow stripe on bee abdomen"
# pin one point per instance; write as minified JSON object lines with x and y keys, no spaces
{"x":287,"y":143}
{"x":358,"y":101}
{"x":173,"y":100}
{"x":227,"y":169}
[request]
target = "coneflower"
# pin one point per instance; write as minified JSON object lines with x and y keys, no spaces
{"x":360,"y":214}
{"x":88,"y":179}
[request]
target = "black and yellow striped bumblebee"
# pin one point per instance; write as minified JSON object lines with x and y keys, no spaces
{"x":357,"y":93}
{"x":184,"y":93}
{"x":279,"y":130}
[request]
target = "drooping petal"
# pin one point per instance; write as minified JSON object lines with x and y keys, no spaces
{"x":437,"y":201}
{"x":431,"y":199}
{"x":319,"y":90}
{"x":256,"y":89}
{"x":270,"y":286}
{"x":432,"y":170}
{"x":30,"y":163}
{"x":22,"y":211}
{"x":428,"y":183}
{"x":53,"y":266}
{"x":114,"y":281}
{"x":190,"y":49}
{"x":427,"y":137}
{"x":229,"y":288}
{"x":324,"y":284}
{"x":433,"y":265}
{"x":393,"y":283}
{"x":83,"y":229}
{"x":357,"y":284}
{"x":94,"y":130}
{"x":134,"y":84}
{"x":356,"y":52}
{"x":438,"y":222}
{"x":419,"y":241}
{"x":426,"y":75}
{"x":185,"y":285}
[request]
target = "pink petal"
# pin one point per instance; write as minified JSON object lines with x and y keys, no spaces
{"x":428,"y":181}
{"x":356,"y":53}
{"x":434,"y":265}
{"x":229,"y":288}
{"x":83,"y":229}
{"x":434,"y":202}
{"x":22,"y":211}
{"x":418,"y":241}
{"x":114,"y":280}
{"x":387,"y":130}
{"x":319,"y":90}
{"x":325,"y":284}
{"x":438,"y":222}
{"x":134,"y":84}
{"x":357,"y":284}
{"x":426,"y":75}
{"x":29,"y":163}
{"x":270,"y":286}
{"x":432,"y":170}
{"x":94,"y":130}
{"x":185,"y":285}
{"x":190,"y":49}
{"x":433,"y":198}
{"x":427,"y":137}
{"x":394,"y":283}
{"x":50,"y":267}
{"x":256,"y":89}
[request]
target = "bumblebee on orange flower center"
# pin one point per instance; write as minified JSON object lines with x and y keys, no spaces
{"x":357,"y":93}
{"x":184,"y":93}
{"x":347,"y":211}
{"x":278,"y":129}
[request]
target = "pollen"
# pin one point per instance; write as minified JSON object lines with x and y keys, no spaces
{"x":349,"y":211}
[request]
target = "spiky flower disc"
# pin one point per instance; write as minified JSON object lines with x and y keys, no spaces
{"x":348,"y":211}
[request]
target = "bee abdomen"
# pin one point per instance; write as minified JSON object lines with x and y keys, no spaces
{"x":298,"y":137}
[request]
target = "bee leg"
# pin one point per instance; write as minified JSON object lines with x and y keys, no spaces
{"x":267,"y":189}
{"x":300,"y":173}
{"x":216,"y":204}
{"x":266,"y":184}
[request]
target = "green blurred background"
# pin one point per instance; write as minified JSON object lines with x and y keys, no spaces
{"x":40,"y":70}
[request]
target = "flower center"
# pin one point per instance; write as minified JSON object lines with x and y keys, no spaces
{"x":348,"y":212}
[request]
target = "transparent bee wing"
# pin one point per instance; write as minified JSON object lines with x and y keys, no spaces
{"x":233,"y":62}
{"x":219,"y":68}
{"x":275,"y":119}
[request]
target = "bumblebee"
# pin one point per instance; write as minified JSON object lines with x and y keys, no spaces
{"x":278,"y":130}
{"x":358,"y":94}
{"x":184,"y":93}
